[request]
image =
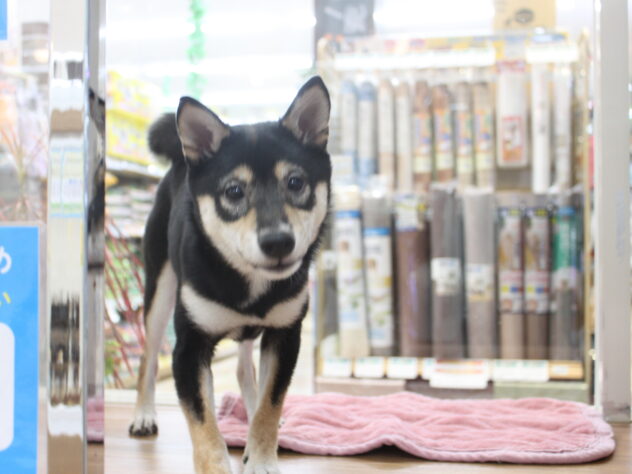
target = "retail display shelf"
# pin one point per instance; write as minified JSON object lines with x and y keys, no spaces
{"x":132,"y":169}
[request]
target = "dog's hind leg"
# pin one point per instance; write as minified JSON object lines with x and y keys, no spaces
{"x":247,"y":377}
{"x":279,"y":352}
{"x":159,"y":302}
{"x":194,"y":384}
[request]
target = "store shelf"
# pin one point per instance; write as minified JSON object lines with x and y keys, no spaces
{"x":131,"y":169}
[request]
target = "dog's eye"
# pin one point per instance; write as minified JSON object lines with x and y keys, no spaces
{"x":234,"y":192}
{"x":295,"y":184}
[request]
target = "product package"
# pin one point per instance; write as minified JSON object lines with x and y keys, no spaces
{"x":510,"y":278}
{"x":386,"y":131}
{"x":511,"y":116}
{"x":327,"y":300}
{"x":349,"y":120}
{"x":443,"y":133}
{"x":480,"y":275}
{"x":367,"y":128}
{"x":447,"y":275}
{"x":565,"y":331}
{"x":563,"y":93}
{"x":484,"y":138}
{"x":413,"y":284}
{"x":540,"y":128}
{"x":537,"y":264}
{"x":378,"y":267}
{"x":464,"y":134}
{"x":422,"y":137}
{"x":404,"y":138}
{"x":352,"y":311}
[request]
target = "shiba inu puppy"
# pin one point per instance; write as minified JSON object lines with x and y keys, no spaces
{"x":235,"y":225}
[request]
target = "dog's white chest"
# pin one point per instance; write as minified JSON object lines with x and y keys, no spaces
{"x":216,"y":318}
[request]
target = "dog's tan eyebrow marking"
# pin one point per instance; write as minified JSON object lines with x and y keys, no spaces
{"x":283,"y":168}
{"x":243,"y":173}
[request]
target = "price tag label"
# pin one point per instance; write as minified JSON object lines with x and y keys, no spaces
{"x":337,"y":367}
{"x":406,"y":368}
{"x":369,"y":367}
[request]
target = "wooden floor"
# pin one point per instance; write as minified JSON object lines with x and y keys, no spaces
{"x":170,"y":453}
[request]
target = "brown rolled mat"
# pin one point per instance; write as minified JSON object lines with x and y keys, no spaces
{"x":412,"y":267}
{"x":404,"y":137}
{"x":422,"y":137}
{"x":566,"y":323}
{"x":480,"y":276}
{"x":446,"y":273}
{"x":537,"y":263}
{"x":378,"y":270}
{"x":510,"y":277}
{"x":443,"y":133}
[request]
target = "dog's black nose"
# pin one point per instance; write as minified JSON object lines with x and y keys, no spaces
{"x":276,"y":244}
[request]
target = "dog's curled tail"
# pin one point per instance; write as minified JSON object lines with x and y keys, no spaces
{"x":164,"y":140}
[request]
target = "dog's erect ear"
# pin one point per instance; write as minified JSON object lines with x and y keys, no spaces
{"x":308,"y":116}
{"x":201,"y":131}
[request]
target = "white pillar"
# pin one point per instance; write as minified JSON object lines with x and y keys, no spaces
{"x":612,"y":210}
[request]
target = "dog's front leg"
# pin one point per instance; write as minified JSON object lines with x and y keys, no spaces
{"x":194,"y":384}
{"x":279,"y":351}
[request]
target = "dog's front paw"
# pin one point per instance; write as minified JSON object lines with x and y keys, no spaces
{"x":258,"y":465}
{"x":144,"y":424}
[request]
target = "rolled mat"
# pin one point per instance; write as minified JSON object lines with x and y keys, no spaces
{"x":537,"y":263}
{"x":443,"y":133}
{"x":422,"y":137}
{"x":480,"y":273}
{"x":446,"y":273}
{"x":378,"y":268}
{"x":525,"y":431}
{"x":566,"y":324}
{"x":510,"y":277}
{"x":413,"y":284}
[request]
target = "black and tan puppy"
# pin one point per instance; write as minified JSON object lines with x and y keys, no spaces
{"x":235,"y":225}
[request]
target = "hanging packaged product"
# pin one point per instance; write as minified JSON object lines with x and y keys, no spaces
{"x":327,"y":300}
{"x":352,"y":321}
{"x":563,"y":93}
{"x":446,"y":273}
{"x":537,"y":258}
{"x":511,"y":115}
{"x":480,"y":275}
{"x":422,"y":137}
{"x":464,"y":134}
{"x":510,"y":281}
{"x":378,"y":266}
{"x":404,"y":143}
{"x":386,"y":131}
{"x":484,"y":141}
{"x":565,"y":330}
{"x":367,"y":127}
{"x":413,"y":284}
{"x":349,"y":120}
{"x":443,"y":133}
{"x":541,"y":128}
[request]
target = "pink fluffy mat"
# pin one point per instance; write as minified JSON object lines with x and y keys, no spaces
{"x":528,"y":431}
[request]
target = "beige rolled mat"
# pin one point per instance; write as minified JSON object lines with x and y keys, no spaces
{"x":413,"y":284}
{"x":404,"y":137}
{"x":378,"y":269}
{"x":446,"y":273}
{"x":537,"y":263}
{"x":464,"y":134}
{"x":422,"y":137}
{"x":484,"y":137}
{"x":510,"y":278}
{"x":386,"y":131}
{"x":351,"y":289}
{"x":479,"y":210}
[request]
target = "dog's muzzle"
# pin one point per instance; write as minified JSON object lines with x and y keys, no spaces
{"x":276,"y":244}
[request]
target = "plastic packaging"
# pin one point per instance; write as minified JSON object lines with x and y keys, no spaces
{"x":484,"y":139}
{"x":386,"y":131}
{"x":563,"y":93}
{"x":511,"y":116}
{"x":367,"y":128}
{"x":404,"y":143}
{"x":464,"y":134}
{"x":349,"y":120}
{"x":443,"y":134}
{"x":422,"y":137}
{"x":541,"y":128}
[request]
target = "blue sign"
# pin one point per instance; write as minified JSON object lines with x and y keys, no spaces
{"x":3,"y":20}
{"x":19,"y":347}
